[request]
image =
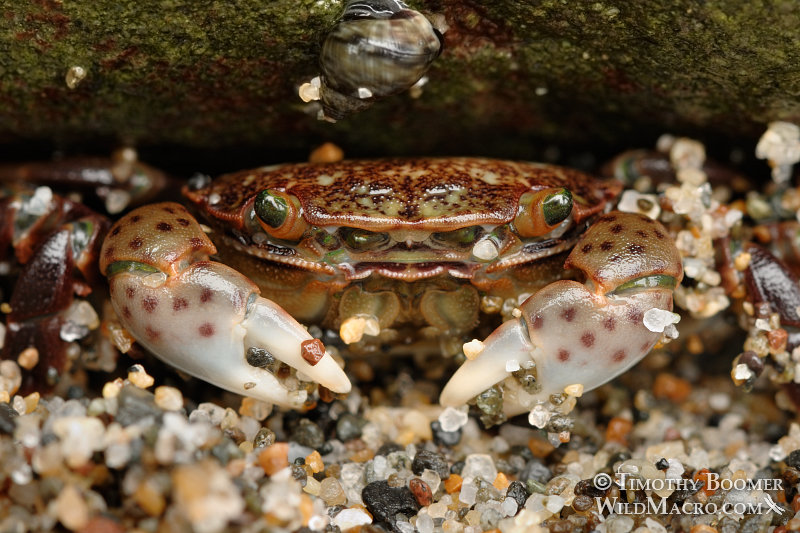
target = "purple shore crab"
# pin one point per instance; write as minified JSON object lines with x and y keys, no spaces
{"x":53,"y":243}
{"x":411,"y":254}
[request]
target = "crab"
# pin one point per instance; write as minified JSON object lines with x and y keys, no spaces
{"x":397,"y":255}
{"x":53,"y":243}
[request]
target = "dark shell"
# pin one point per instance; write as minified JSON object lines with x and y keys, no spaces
{"x":377,"y":49}
{"x":425,"y":194}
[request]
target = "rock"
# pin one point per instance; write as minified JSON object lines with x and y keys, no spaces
{"x":136,"y":404}
{"x":793,"y":459}
{"x":331,"y":492}
{"x":71,"y":508}
{"x":206,"y":496}
{"x":350,"y":518}
{"x":384,"y":502}
{"x":518,"y":492}
{"x":7,"y":419}
{"x":349,"y":427}
{"x":432,"y":461}
{"x":536,"y":471}
{"x":479,"y":465}
{"x":124,"y":87}
{"x":307,"y":433}
{"x":274,"y":458}
{"x":445,"y":438}
{"x":421,"y":491}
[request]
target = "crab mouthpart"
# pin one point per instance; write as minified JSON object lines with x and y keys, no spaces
{"x":409,"y":271}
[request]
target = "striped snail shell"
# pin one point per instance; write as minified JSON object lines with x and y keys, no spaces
{"x":377,"y":49}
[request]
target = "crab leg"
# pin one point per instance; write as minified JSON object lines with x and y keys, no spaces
{"x":202,"y":316}
{"x":582,"y":334}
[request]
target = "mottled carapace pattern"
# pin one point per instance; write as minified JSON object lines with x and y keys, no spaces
{"x":622,"y":246}
{"x":177,"y":237}
{"x":393,"y":194}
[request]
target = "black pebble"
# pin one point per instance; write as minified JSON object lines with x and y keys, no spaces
{"x":308,"y":434}
{"x":793,"y":459}
{"x":299,"y":474}
{"x":585,"y":487}
{"x":349,"y":427}
{"x":384,"y":502}
{"x":389,"y":447}
{"x":445,"y":438}
{"x":333,"y":510}
{"x":135,"y":404}
{"x":517,"y":491}
{"x":259,"y":357}
{"x":7,"y":419}
{"x":662,"y":464}
{"x":432,"y":461}
{"x":537,"y":471}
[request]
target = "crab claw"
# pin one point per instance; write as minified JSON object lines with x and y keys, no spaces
{"x":571,"y":333}
{"x":203,"y":317}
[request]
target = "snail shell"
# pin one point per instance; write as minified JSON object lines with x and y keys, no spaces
{"x":377,"y":49}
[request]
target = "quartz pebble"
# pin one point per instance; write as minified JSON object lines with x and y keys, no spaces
{"x":28,"y":358}
{"x":432,"y":479}
{"x":619,"y":524}
{"x":350,"y":518}
{"x":139,"y":377}
{"x":168,"y":398}
{"x":425,"y":523}
{"x":80,"y":437}
{"x":10,"y":377}
{"x":274,"y":458}
{"x":510,"y":507}
{"x":71,"y":508}
{"x":255,"y":409}
{"x":468,"y":494}
{"x":539,"y":416}
{"x":479,"y":466}
{"x":656,"y":320}
{"x":206,"y":496}
{"x":453,"y":419}
{"x":331,"y":492}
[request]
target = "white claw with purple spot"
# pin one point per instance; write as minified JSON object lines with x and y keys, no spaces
{"x":201,"y":316}
{"x":581,"y":333}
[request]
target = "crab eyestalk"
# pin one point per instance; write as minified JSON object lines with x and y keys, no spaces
{"x":575,"y":333}
{"x":201,"y":316}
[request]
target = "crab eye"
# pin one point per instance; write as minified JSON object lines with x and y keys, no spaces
{"x":459,"y":237}
{"x":280,"y":214}
{"x":541,"y":211}
{"x":361,"y":239}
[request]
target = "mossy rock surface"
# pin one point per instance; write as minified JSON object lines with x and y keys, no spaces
{"x":513,"y":74}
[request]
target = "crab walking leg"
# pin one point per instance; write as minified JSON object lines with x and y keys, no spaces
{"x":198,"y":315}
{"x":584,"y":334}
